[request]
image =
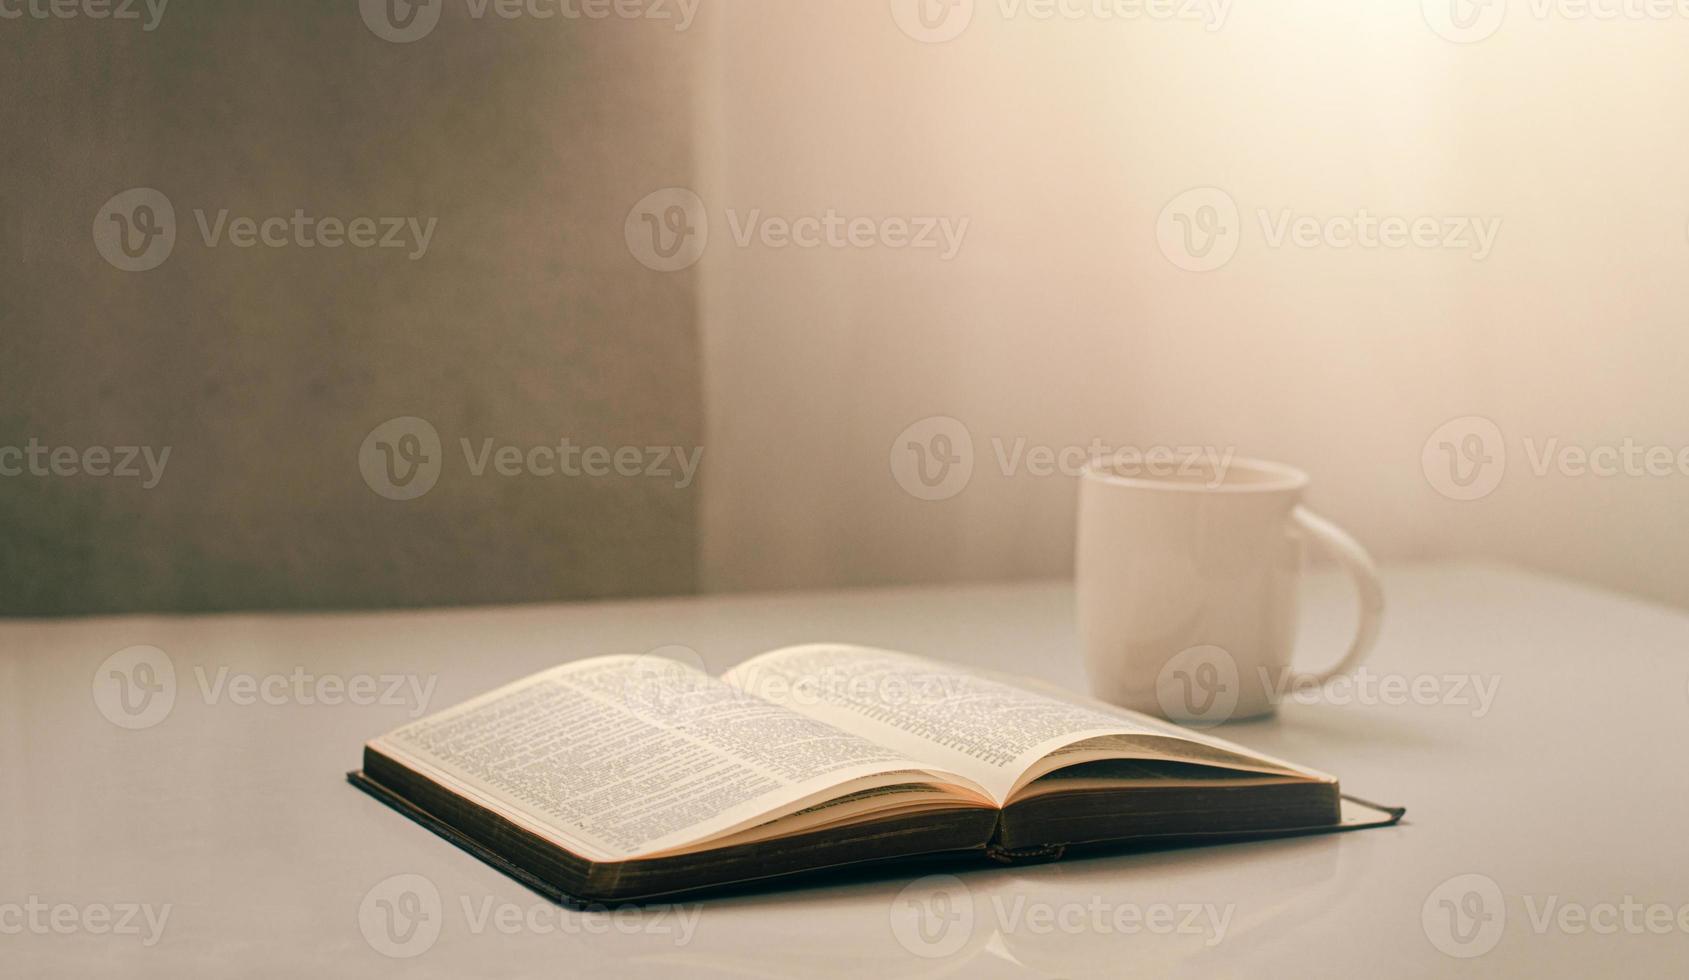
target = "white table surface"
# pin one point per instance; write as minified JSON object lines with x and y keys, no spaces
{"x":1571,"y":789}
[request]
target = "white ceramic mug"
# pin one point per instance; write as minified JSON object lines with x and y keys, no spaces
{"x":1187,"y":587}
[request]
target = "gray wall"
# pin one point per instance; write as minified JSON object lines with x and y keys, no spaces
{"x":264,"y":369}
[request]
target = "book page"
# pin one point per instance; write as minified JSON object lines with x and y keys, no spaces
{"x":999,"y":733}
{"x":618,"y":757}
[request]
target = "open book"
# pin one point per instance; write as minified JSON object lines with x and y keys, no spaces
{"x":631,"y":778}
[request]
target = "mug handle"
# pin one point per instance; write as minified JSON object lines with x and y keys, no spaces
{"x":1361,"y":569}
